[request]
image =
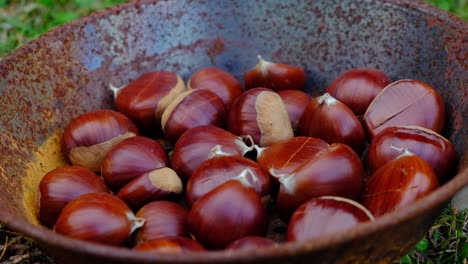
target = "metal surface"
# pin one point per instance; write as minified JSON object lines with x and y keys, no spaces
{"x":66,"y":72}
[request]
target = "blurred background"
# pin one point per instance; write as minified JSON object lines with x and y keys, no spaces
{"x":23,"y":20}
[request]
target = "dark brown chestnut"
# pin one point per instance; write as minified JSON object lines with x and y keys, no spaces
{"x":331,"y":120}
{"x":88,"y":138}
{"x":356,"y":88}
{"x":251,"y":242}
{"x":296,"y":102}
{"x":60,"y":186}
{"x":170,"y":245}
{"x":162,"y":219}
{"x":227,"y":213}
{"x":131,"y":158}
{"x":427,"y":144}
{"x":325,"y":215}
{"x":406,"y":103}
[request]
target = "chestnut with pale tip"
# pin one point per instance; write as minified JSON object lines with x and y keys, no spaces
{"x":326,"y":215}
{"x":190,"y":109}
{"x":130,"y":158}
{"x":98,"y":217}
{"x":220,"y":82}
{"x":60,"y":186}
{"x":405,"y":103}
{"x":200,"y":143}
{"x":227,"y":213}
{"x":144,"y":99}
{"x":252,"y":242}
{"x":220,"y":169}
{"x":331,"y":120}
{"x":427,"y":144}
{"x":260,"y":113}
{"x":398,"y":184}
{"x":169,"y":245}
{"x":296,"y":102}
{"x":276,"y":76}
{"x":159,"y":184}
{"x":88,"y":137}
{"x":162,"y":219}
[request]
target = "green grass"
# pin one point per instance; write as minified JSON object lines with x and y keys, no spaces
{"x":23,"y":20}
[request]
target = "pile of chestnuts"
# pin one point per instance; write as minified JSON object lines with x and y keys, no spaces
{"x":206,"y":165}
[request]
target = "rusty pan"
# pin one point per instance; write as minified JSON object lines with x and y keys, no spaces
{"x":66,"y":72}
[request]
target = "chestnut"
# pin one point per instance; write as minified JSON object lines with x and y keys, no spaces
{"x":403,"y":103}
{"x":220,"y":82}
{"x":251,"y":242}
{"x":173,"y":245}
{"x":162,"y":219}
{"x":285,"y":156}
{"x":276,"y":76}
{"x":331,"y":120}
{"x":333,"y":171}
{"x":200,"y":143}
{"x":61,"y":185}
{"x":260,"y":113}
{"x":296,"y":102}
{"x":325,"y":215}
{"x":427,"y":144}
{"x":98,"y":217}
{"x":159,"y":184}
{"x":190,"y":109}
{"x":356,"y":88}
{"x":220,"y":169}
{"x":398,"y":184}
{"x":144,"y":99}
{"x":227,"y":213}
{"x":131,"y":158}
{"x":88,"y":138}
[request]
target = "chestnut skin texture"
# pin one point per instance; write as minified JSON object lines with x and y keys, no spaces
{"x":296,"y":102}
{"x":96,"y":217}
{"x":251,"y":242}
{"x":60,"y":186}
{"x":130,"y":158}
{"x":220,"y":169}
{"x":398,"y":184}
{"x":220,"y":82}
{"x":356,"y":88}
{"x":170,"y":245}
{"x":406,"y":103}
{"x":427,"y":144}
{"x":162,"y":219}
{"x":322,"y":216}
{"x":227,"y":213}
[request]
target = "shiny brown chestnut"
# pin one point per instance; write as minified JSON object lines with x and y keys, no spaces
{"x":144,"y":99}
{"x":285,"y":156}
{"x":159,"y":184}
{"x":333,"y":171}
{"x":60,"y":186}
{"x":251,"y":242}
{"x":427,"y":144}
{"x":162,"y":219}
{"x":200,"y":143}
{"x":356,"y":88}
{"x":88,"y":138}
{"x":406,"y":103}
{"x":398,"y":184}
{"x":325,"y":215}
{"x":220,"y":169}
{"x":261,"y":114}
{"x":296,"y":102}
{"x":98,"y":217}
{"x":276,"y":76}
{"x":227,"y":213}
{"x":331,"y":120}
{"x":131,"y":158}
{"x":170,"y":245}
{"x":190,"y":109}
{"x":220,"y":82}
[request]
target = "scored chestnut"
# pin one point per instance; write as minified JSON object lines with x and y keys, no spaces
{"x":170,"y":245}
{"x":60,"y":186}
{"x":98,"y":217}
{"x":276,"y":76}
{"x":296,"y":102}
{"x":88,"y":138}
